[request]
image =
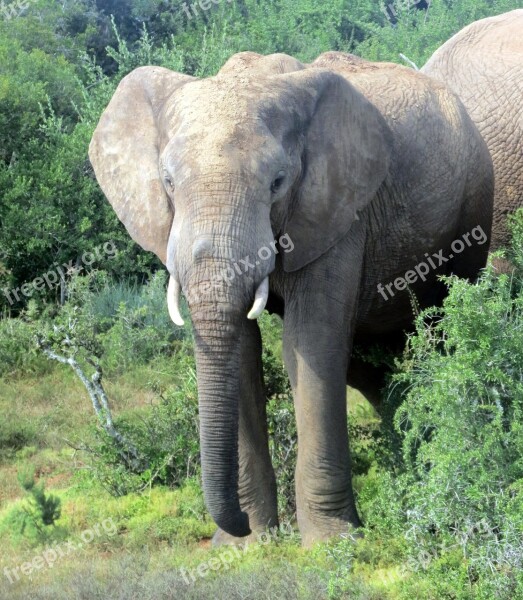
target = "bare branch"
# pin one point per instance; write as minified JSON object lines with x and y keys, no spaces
{"x":128,"y":452}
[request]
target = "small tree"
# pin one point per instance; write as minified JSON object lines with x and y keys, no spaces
{"x":41,"y":510}
{"x":72,"y":340}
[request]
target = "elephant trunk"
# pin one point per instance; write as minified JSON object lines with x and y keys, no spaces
{"x":217,"y":363}
{"x":224,"y":285}
{"x":218,"y":316}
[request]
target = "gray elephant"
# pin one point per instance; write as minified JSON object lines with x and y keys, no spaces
{"x":483,"y":64}
{"x":362,"y":172}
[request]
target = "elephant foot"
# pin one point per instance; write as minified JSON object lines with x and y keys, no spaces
{"x":221,"y":538}
{"x":314,"y":531}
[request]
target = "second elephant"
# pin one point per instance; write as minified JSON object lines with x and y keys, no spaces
{"x":483,"y":64}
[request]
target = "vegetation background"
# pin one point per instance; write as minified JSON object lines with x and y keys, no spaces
{"x":439,"y":476}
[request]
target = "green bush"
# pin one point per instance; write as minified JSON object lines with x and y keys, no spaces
{"x":140,"y":328}
{"x":166,"y":435}
{"x":126,"y":322}
{"x":281,"y":421}
{"x":119,"y":324}
{"x":283,"y":446}
{"x":42,"y":510}
{"x":458,"y":497}
{"x":18,"y":353}
{"x":15,"y":434}
{"x":33,"y":522}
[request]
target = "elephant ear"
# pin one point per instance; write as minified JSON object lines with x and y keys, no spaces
{"x":124,"y":152}
{"x":346,"y":157}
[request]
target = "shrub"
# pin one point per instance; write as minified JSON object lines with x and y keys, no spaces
{"x":459,"y":387}
{"x":18,"y":353}
{"x":281,"y":421}
{"x":166,"y":435}
{"x":119,"y":325}
{"x":129,"y":322}
{"x":141,"y":332}
{"x":15,"y":434}
{"x":43,"y":510}
{"x":34,"y":521}
{"x":283,"y":446}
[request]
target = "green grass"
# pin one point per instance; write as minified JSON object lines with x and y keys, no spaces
{"x":161,"y":531}
{"x":155,"y":536}
{"x":158,"y":532}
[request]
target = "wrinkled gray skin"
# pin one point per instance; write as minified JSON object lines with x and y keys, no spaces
{"x":483,"y":64}
{"x":366,"y":167}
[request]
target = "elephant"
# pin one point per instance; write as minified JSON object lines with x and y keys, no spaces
{"x":347,"y":174}
{"x":483,"y":64}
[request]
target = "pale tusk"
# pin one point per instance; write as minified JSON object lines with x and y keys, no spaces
{"x":173,"y":301}
{"x":260,"y":300}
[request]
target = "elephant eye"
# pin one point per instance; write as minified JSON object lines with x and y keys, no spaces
{"x":277,"y":183}
{"x":169,"y":183}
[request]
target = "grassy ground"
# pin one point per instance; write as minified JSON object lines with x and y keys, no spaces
{"x":137,"y":545}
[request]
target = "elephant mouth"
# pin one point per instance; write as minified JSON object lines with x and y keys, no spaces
{"x":174,"y":292}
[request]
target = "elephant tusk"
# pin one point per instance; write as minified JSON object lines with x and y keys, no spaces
{"x":173,"y":301}
{"x":260,"y":300}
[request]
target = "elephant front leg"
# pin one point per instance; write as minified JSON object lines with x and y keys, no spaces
{"x":316,"y":355}
{"x":257,"y":483}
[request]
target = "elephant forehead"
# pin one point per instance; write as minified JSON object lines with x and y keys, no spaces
{"x":211,"y":100}
{"x":220,"y":133}
{"x":219,"y":104}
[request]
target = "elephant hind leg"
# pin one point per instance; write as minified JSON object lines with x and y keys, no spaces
{"x":368,"y":380}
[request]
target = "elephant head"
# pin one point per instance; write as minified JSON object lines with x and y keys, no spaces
{"x":206,"y":172}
